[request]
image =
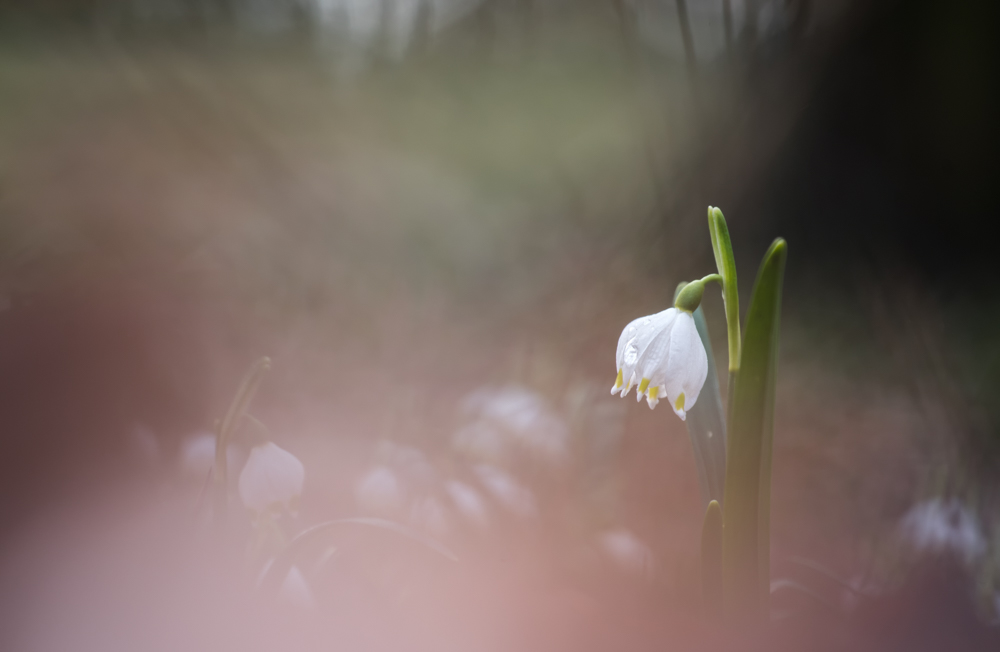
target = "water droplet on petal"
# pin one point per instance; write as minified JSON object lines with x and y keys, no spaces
{"x":631,"y":354}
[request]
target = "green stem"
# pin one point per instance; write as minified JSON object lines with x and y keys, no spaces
{"x":722,"y":247}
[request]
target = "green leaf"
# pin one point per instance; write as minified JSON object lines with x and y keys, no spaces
{"x":746,"y":535}
{"x":706,"y":424}
{"x":711,"y":561}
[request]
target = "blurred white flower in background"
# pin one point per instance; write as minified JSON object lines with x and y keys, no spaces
{"x":507,"y":491}
{"x":272,"y":478}
{"x":198,"y":455}
{"x":409,"y":463}
{"x":481,"y":440}
{"x":428,"y":514}
{"x":664,"y":354}
{"x":938,"y":526}
{"x":514,"y":416}
{"x":295,"y":590}
{"x":627,"y":552}
{"x":380,"y":492}
{"x":469,"y":503}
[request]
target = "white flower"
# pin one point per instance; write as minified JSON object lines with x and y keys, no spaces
{"x":198,"y":455}
{"x":665,"y":355}
{"x":516,"y":414}
{"x":627,"y":551}
{"x":469,"y":503}
{"x":937,"y":526}
{"x":379,"y":491}
{"x":507,"y":491}
{"x":430,"y":515}
{"x":272,"y":477}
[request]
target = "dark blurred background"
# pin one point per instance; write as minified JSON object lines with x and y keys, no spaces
{"x":410,"y":205}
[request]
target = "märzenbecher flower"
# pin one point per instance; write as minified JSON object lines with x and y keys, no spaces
{"x":272,"y":479}
{"x":665,"y":356}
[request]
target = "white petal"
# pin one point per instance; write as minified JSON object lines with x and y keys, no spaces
{"x":628,"y":385}
{"x":687,"y":365}
{"x":637,"y":336}
{"x":655,"y":357}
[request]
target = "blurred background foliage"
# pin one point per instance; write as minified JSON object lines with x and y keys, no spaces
{"x":401,"y":201}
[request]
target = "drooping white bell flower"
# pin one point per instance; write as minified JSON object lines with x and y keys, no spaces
{"x":664,"y":354}
{"x":272,"y":478}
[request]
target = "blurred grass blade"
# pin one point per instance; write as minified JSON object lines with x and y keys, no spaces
{"x":711,"y":561}
{"x":746,"y":535}
{"x":706,"y":424}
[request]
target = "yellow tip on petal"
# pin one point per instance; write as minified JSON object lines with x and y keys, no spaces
{"x":679,"y":407}
{"x":652,"y":398}
{"x":643,"y":386}
{"x":619,"y":380}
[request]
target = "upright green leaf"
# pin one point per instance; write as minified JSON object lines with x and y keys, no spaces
{"x":746,"y":539}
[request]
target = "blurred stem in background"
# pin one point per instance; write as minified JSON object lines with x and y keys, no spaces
{"x":229,"y":423}
{"x":687,"y":38}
